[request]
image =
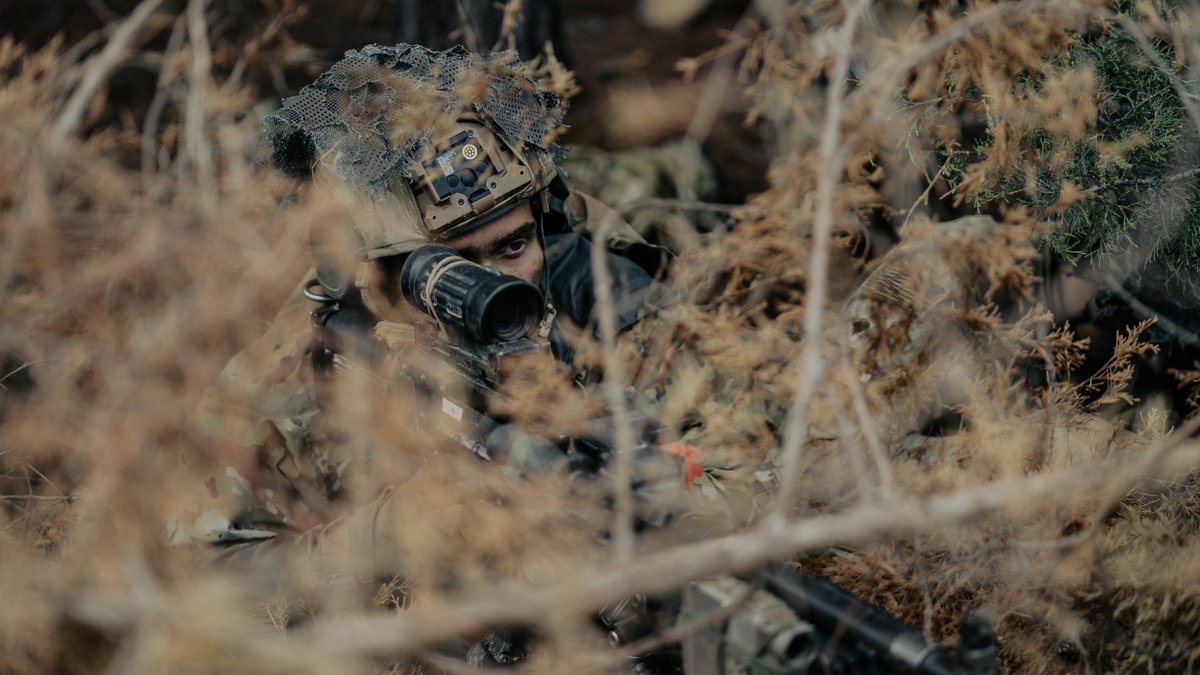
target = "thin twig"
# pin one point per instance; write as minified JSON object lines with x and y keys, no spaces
{"x":811,"y":368}
{"x":1112,"y":493}
{"x":159,"y":101}
{"x":103,"y":11}
{"x":470,"y":33}
{"x":99,"y":69}
{"x":71,"y":56}
{"x":276,"y":26}
{"x":14,"y":371}
{"x":589,"y":588}
{"x":509,"y":23}
{"x":714,"y":95}
{"x":614,"y":376}
{"x":923,"y":580}
{"x":195,"y":143}
{"x":870,"y":435}
{"x":847,"y":432}
{"x":45,"y":479}
{"x":924,"y":198}
{"x":1114,"y":285}
{"x":734,"y":43}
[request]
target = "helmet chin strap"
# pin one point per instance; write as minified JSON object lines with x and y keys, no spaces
{"x":541,"y":213}
{"x":547,"y":323}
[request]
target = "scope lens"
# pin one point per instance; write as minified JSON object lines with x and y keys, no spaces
{"x":482,"y":304}
{"x":512,"y":310}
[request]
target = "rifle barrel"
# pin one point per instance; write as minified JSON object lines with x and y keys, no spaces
{"x":840,"y":615}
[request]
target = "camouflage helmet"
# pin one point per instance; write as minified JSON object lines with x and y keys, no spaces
{"x":431,"y":144}
{"x":468,"y":175}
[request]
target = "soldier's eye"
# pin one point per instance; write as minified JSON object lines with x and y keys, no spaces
{"x":514,"y":248}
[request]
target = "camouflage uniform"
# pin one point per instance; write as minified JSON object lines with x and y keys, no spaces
{"x":282,"y":473}
{"x":261,"y":412}
{"x":642,"y":182}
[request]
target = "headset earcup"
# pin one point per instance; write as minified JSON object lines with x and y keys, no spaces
{"x":553,"y":205}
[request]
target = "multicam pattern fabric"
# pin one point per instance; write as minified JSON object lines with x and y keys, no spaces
{"x":634,"y":182}
{"x":280,"y":473}
{"x":260,"y":418}
{"x":282,"y":476}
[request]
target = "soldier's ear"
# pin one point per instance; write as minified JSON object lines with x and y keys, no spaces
{"x":554,"y":205}
{"x":292,"y":152}
{"x":558,"y":186}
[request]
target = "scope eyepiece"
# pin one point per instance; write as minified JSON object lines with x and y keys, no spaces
{"x":482,"y":304}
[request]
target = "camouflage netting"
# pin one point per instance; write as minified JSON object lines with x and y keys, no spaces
{"x":369,"y":114}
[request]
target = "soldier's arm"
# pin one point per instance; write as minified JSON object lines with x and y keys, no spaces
{"x":245,"y":474}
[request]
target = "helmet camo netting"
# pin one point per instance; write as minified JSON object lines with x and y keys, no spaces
{"x":369,"y":114}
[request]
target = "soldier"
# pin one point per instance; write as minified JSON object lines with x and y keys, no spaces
{"x":417,"y":147}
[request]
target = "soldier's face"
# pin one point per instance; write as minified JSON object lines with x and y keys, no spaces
{"x":508,"y":244}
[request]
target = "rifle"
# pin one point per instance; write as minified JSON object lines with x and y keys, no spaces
{"x":453,"y":367}
{"x":448,"y":383}
{"x":453,"y":364}
{"x":801,"y":624}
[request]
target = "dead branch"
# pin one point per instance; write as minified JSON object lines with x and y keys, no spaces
{"x":528,"y":604}
{"x":867,"y":426}
{"x":614,"y":377}
{"x":150,"y":141}
{"x":811,"y":368}
{"x":99,"y":69}
{"x":195,"y":142}
{"x":509,"y":23}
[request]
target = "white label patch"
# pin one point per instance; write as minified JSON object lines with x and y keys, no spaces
{"x":443,"y":162}
{"x":452,"y":410}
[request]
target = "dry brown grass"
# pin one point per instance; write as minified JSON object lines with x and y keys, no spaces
{"x":138,"y":256}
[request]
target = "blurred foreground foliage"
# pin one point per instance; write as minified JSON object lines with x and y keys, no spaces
{"x":141,"y":252}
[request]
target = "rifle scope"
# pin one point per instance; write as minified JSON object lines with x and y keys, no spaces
{"x":481,"y":304}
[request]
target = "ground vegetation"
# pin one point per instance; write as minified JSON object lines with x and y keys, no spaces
{"x":925,"y":357}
